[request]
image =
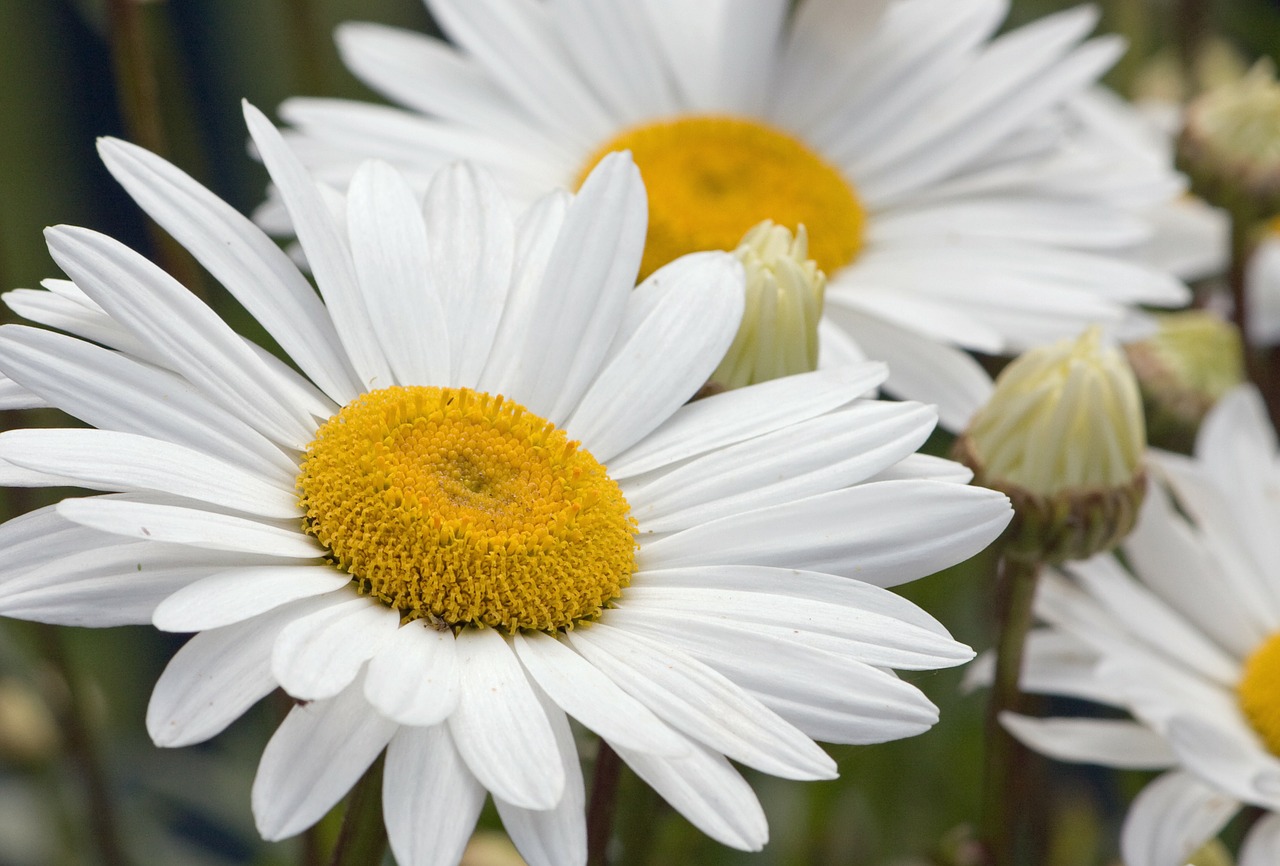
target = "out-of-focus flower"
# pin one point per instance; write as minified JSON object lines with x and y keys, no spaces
{"x":417,"y":537}
{"x":947,"y":194}
{"x":1063,"y":436}
{"x":1186,"y":639}
{"x":1183,"y":370}
{"x":1230,"y":143}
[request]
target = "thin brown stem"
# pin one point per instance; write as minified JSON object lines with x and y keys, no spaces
{"x":1006,"y":758}
{"x":77,"y":728}
{"x":604,"y":801}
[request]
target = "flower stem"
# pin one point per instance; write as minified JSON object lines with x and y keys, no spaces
{"x":604,"y":800}
{"x":139,"y":100}
{"x":78,"y":729}
{"x":1006,"y":758}
{"x":363,"y":838}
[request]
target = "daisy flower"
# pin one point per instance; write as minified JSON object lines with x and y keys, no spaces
{"x":417,"y":537}
{"x":1187,"y":640}
{"x":945,"y":189}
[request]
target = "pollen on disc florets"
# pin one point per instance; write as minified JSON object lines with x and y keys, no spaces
{"x":710,"y":178}
{"x":465,"y":508}
{"x":1259,"y":692}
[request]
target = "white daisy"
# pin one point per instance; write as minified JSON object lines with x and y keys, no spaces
{"x":434,"y":570}
{"x":946,"y":192}
{"x":1188,"y":642}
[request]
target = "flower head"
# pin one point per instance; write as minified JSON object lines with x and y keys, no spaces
{"x":1230,"y":142}
{"x":1063,"y":435}
{"x":482,"y":507}
{"x":1183,"y":637}
{"x":1191,"y":362}
{"x":950,"y":192}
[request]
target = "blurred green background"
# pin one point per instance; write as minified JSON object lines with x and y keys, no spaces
{"x":67,"y":692}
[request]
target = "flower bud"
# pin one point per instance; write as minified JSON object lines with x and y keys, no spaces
{"x":1063,"y":437}
{"x":779,"y":331}
{"x":1183,"y":369}
{"x":1230,"y":144}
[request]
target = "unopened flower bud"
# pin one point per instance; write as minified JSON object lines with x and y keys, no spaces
{"x":1230,"y":145}
{"x":1183,"y":369}
{"x":779,"y":332}
{"x":1063,"y":437}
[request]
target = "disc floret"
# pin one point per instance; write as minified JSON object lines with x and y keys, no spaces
{"x":466,"y":509}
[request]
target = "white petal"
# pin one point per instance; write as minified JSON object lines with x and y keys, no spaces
{"x":702,"y":703}
{"x":500,"y":728}
{"x":872,"y":532}
{"x":920,"y":368}
{"x":1262,"y":845}
{"x":873,"y":638}
{"x":236,"y":595}
{"x":316,"y":755}
{"x":113,"y":392}
{"x":318,"y":655}
{"x":581,"y":690}
{"x":552,"y":837}
{"x":1171,"y":818}
{"x":241,"y":257}
{"x":14,"y":396}
{"x":191,"y":526}
{"x":389,"y":251}
{"x":106,"y":585}
{"x":1227,"y":753}
{"x":678,"y":325}
{"x":741,"y":414}
{"x":707,"y":790}
{"x":103,"y":459}
{"x":803,"y":585}
{"x":1112,"y":743}
{"x":413,"y":678}
{"x":430,"y":800}
{"x":517,"y":45}
{"x":434,"y":78}
{"x":471,"y":246}
{"x":587,"y":283}
{"x":214,"y":678}
{"x":829,"y":695}
{"x":162,"y":313}
{"x":326,"y":250}
{"x":807,"y":458}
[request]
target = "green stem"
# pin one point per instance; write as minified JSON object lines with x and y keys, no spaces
{"x":1005,"y":759}
{"x":363,"y":838}
{"x":139,"y":100}
{"x":77,"y":727}
{"x":604,"y":800}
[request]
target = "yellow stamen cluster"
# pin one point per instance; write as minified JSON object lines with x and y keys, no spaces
{"x":710,"y":178}
{"x":1259,"y":692}
{"x":464,"y":508}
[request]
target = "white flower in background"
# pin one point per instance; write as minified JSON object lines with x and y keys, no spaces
{"x":418,"y":539}
{"x":1188,"y":642}
{"x":1262,"y":281}
{"x":947,"y":194}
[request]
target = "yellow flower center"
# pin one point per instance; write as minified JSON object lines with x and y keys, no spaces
{"x":466,"y":509}
{"x":710,"y":178}
{"x":1259,"y":691}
